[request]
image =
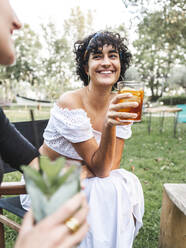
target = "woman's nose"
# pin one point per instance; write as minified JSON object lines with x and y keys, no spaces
{"x":106,"y":61}
{"x":16,"y":22}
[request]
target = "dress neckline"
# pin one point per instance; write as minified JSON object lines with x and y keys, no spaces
{"x":73,"y":110}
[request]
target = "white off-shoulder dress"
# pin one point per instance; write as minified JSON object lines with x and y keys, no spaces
{"x":114,"y":200}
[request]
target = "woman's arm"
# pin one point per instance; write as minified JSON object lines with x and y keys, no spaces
{"x":118,"y":153}
{"x":86,"y":173}
{"x":101,"y":159}
{"x":98,"y":159}
{"x":47,"y":151}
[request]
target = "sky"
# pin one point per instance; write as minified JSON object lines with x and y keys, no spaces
{"x":105,"y":12}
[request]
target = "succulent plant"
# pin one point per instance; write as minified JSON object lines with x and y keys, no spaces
{"x":51,"y":186}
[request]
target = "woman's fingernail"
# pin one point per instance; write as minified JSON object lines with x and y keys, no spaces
{"x":136,"y":104}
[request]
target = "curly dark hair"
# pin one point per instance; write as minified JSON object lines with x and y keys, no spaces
{"x":92,"y":43}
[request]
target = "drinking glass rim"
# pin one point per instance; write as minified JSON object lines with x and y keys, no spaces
{"x":131,"y":82}
{"x":138,"y":85}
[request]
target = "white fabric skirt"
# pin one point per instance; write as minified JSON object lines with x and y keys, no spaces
{"x":114,"y":202}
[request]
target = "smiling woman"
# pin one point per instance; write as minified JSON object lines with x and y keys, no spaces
{"x":86,"y":125}
{"x":104,"y":65}
{"x":94,"y":45}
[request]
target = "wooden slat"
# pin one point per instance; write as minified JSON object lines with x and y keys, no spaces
{"x":172,"y":224}
{"x":10,"y":223}
{"x":177,"y":194}
{"x":12,"y":188}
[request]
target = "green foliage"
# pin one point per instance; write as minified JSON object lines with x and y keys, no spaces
{"x":15,"y":114}
{"x":156,"y":159}
{"x":58,"y":65}
{"x":55,"y":63}
{"x":177,"y":77}
{"x":10,"y":234}
{"x":36,"y":178}
{"x":53,"y":184}
{"x":78,"y":25}
{"x":173,"y":100}
{"x":157,"y":49}
{"x":48,"y":69}
{"x":147,"y":4}
{"x":27,"y":49}
{"x":26,"y":68}
{"x":161,"y":40}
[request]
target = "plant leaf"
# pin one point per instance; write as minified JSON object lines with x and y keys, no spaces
{"x":35,"y":176}
{"x":56,"y":184}
{"x":51,"y":168}
{"x":39,"y":200}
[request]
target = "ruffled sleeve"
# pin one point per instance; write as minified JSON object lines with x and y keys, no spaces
{"x":66,"y":127}
{"x":73,"y":125}
{"x":124,"y":132}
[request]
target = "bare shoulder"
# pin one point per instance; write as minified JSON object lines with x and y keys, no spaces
{"x":71,"y":99}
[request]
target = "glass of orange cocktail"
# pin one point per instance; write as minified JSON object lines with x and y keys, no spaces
{"x":136,"y":88}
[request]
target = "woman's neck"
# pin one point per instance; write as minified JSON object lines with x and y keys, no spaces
{"x":98,"y":97}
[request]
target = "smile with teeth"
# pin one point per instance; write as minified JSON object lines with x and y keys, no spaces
{"x":106,"y":72}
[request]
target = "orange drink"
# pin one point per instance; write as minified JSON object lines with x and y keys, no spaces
{"x":137,"y":91}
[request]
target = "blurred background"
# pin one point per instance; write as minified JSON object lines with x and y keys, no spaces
{"x":156,"y":32}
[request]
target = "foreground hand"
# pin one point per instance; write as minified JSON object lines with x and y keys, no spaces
{"x":52,"y":232}
{"x":114,"y":115}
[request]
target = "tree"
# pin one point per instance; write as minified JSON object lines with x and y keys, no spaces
{"x":50,"y":67}
{"x":55,"y":61}
{"x":78,"y":25}
{"x":28,"y":47}
{"x":153,"y":5}
{"x":132,"y":74}
{"x":161,"y":43}
{"x":59,"y":65}
{"x":177,"y":77}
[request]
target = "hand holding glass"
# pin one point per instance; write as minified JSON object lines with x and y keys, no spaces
{"x":137,"y":90}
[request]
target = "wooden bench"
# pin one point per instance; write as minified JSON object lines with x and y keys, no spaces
{"x":173,"y":217}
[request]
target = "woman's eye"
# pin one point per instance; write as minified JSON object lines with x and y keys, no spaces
{"x":113,"y":55}
{"x":96,"y":56}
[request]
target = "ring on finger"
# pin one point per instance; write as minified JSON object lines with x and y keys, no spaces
{"x":72,"y":224}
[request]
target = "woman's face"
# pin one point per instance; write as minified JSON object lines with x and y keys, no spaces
{"x":8,"y":23}
{"x":104,"y":66}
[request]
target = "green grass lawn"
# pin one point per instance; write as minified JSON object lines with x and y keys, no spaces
{"x":24,"y":114}
{"x":156,"y":159}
